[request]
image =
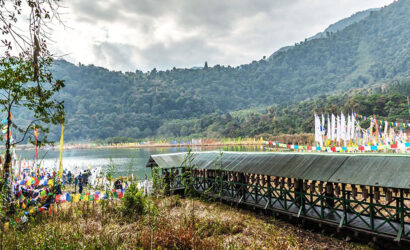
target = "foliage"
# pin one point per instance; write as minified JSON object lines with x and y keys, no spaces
{"x":157,"y":182}
{"x":298,"y":118}
{"x":131,"y":165}
{"x":26,"y":84}
{"x":187,"y":175}
{"x":4,"y":203}
{"x":26,"y":27}
{"x":18,"y":93}
{"x":135,"y":202}
{"x":102,"y":103}
{"x":116,"y":140}
{"x":109,"y":174}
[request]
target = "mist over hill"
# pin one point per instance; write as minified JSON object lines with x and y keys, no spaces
{"x":371,"y":50}
{"x":344,"y":23}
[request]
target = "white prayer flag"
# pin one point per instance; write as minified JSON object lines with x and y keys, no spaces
{"x":333,"y":127}
{"x":338,"y":129}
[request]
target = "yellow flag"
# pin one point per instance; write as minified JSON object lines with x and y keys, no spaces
{"x":371,"y":127}
{"x":60,"y":171}
{"x":76,"y":198}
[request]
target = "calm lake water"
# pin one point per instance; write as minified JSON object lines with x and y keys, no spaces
{"x":126,"y":160}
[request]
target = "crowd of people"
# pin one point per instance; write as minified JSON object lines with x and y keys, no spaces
{"x":38,"y":186}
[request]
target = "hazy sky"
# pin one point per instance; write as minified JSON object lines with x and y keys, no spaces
{"x":142,"y":34}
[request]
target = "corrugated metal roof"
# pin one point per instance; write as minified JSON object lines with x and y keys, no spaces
{"x":168,"y":160}
{"x":324,"y":166}
{"x":361,"y":169}
{"x":375,"y":171}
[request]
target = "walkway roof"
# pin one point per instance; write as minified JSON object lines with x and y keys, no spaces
{"x":362,"y":169}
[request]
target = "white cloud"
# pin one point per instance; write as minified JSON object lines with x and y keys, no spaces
{"x":143,"y":34}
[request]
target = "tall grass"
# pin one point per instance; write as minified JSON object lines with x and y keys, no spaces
{"x":106,"y":225}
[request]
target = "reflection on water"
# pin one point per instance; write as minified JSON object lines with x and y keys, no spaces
{"x":127,"y":160}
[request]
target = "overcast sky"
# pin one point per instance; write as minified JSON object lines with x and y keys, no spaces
{"x":144,"y":34}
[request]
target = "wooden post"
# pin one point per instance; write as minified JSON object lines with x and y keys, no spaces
{"x":283,"y":193}
{"x":402,"y":212}
{"x":269,"y":191}
{"x":371,"y":209}
{"x":330,"y":195}
{"x":298,"y":192}
{"x":256,"y":187}
{"x":398,"y":205}
{"x":344,"y":203}
{"x":243,"y":186}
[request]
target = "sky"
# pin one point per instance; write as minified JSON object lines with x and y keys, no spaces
{"x":129,"y":35}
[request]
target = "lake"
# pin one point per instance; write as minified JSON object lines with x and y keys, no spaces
{"x":131,"y":160}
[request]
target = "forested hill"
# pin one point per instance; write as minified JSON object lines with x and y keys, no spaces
{"x":339,"y":25}
{"x":102,"y":103}
{"x":389,"y":103}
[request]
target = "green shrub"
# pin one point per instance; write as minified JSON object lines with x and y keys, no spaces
{"x":135,"y":202}
{"x":157,"y":182}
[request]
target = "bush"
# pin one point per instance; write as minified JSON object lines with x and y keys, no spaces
{"x":121,"y":139}
{"x":135,"y":202}
{"x":157,"y":182}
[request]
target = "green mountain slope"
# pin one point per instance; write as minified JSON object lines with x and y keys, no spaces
{"x":102,"y":103}
{"x":340,"y":25}
{"x":388,"y":103}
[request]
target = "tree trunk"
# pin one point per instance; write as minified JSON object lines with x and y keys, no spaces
{"x":7,"y":161}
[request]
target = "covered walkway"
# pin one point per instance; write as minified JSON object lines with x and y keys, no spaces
{"x":364,"y":192}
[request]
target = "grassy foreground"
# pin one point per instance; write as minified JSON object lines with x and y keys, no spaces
{"x":173,"y":222}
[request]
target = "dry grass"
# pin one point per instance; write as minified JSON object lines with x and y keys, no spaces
{"x":175,"y":224}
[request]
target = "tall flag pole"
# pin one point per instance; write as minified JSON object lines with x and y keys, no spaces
{"x":60,"y":171}
{"x":36,"y":134}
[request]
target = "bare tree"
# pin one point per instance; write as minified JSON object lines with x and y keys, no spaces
{"x":25,"y":79}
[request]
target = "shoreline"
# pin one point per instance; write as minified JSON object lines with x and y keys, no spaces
{"x":134,"y":145}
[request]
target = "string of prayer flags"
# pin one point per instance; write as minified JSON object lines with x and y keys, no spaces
{"x":62,"y":198}
{"x":404,"y":146}
{"x":381,"y":122}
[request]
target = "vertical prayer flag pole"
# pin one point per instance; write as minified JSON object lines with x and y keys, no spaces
{"x":36,"y":134}
{"x":60,"y":171}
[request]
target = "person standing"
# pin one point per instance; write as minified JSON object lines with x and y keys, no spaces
{"x":80,"y":183}
{"x":69,"y":177}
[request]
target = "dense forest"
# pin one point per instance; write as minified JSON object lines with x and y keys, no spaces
{"x":369,"y":52}
{"x":389,"y":104}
